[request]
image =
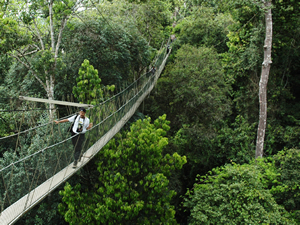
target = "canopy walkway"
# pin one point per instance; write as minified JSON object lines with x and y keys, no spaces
{"x":26,"y":179}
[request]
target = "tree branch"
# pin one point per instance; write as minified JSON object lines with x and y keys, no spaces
{"x":51,"y":25}
{"x":29,"y":53}
{"x":29,"y":68}
{"x":39,"y":35}
{"x":63,"y":24}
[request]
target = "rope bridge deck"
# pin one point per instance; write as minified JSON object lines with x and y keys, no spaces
{"x":107,"y":128}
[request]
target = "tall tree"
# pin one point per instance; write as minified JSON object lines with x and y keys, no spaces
{"x":133,"y":184}
{"x":235,"y":194}
{"x":43,"y":19}
{"x":88,"y":89}
{"x":264,"y":81}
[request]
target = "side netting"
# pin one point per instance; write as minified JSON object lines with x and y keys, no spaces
{"x":27,"y":181}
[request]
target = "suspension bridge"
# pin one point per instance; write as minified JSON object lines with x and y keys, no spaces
{"x":27,"y":177}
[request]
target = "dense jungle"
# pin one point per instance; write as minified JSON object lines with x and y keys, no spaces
{"x":188,"y":155}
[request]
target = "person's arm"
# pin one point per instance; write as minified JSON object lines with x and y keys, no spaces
{"x":90,"y":126}
{"x":61,"y":121}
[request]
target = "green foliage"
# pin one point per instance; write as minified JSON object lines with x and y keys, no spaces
{"x":23,"y":84}
{"x":279,"y":137}
{"x":3,"y":6}
{"x":44,"y":213}
{"x":234,"y":194}
{"x":204,"y":27}
{"x":5,"y":126}
{"x":285,"y":187}
{"x":194,"y":93}
{"x":236,"y":142}
{"x":44,"y":62}
{"x":284,"y":83}
{"x":242,"y":62}
{"x":248,"y":191}
{"x":88,"y":89}
{"x":198,"y":92}
{"x":28,"y":174}
{"x":116,"y":49}
{"x":133,"y":184}
{"x":12,"y":35}
{"x":60,"y":8}
{"x":206,"y":149}
{"x":153,"y":17}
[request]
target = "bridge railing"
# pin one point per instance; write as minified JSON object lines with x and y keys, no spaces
{"x":51,"y":150}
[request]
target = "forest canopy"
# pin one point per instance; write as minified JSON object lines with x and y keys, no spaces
{"x":199,"y":152}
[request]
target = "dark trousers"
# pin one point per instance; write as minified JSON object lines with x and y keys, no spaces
{"x":77,"y":143}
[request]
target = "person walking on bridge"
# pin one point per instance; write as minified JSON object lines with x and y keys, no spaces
{"x":80,"y":125}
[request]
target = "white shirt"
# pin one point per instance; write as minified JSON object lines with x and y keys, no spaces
{"x":80,"y":122}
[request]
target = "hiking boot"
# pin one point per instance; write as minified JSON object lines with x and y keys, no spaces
{"x":75,"y":164}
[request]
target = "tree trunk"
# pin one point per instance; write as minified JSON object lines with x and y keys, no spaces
{"x":55,"y":49}
{"x":49,"y":82}
{"x":264,"y":81}
{"x":50,"y":95}
{"x":51,"y":25}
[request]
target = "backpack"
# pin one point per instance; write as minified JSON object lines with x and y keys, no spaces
{"x":70,"y":129}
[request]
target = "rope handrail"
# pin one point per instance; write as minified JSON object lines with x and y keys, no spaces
{"x":109,"y":99}
{"x":42,"y":173}
{"x":40,"y":151}
{"x":33,"y":128}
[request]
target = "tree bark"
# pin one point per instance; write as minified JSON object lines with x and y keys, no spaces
{"x":39,"y":35}
{"x":62,"y":27}
{"x":51,"y":25}
{"x":264,"y":81}
{"x":55,"y":48}
{"x":49,"y":82}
